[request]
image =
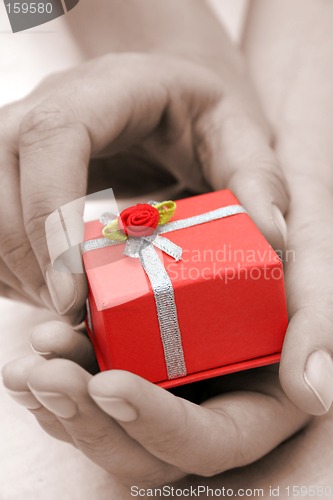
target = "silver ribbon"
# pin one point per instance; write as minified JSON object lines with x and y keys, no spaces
{"x":143,"y":249}
{"x":166,"y":312}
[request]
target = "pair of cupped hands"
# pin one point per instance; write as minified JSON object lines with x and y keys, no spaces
{"x":208,"y":131}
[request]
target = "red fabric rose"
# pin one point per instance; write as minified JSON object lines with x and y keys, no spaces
{"x":140,"y":220}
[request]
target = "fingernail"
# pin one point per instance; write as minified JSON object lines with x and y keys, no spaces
{"x":319,"y":376}
{"x":47,"y":354}
{"x":26,"y":399}
{"x":280,"y":222}
{"x":58,"y":404}
{"x":62,"y":288}
{"x":117,"y":408}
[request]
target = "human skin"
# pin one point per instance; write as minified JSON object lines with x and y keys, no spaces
{"x":141,"y":433}
{"x":289,"y":48}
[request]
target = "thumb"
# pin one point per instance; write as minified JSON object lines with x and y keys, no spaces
{"x":306,"y":369}
{"x":238,"y":156}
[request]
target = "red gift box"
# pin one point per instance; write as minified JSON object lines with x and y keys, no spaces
{"x":228,"y":291}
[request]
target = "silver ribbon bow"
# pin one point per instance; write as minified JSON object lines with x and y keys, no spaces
{"x":143,"y":249}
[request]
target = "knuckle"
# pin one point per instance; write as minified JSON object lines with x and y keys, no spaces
{"x":35,"y":215}
{"x":89,"y":440}
{"x":42,"y":122}
{"x":97,"y":443}
{"x":173,"y":441}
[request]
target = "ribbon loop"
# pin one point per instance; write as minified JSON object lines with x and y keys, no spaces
{"x":168,"y":247}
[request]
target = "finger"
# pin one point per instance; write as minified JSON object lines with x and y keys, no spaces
{"x":18,"y":264}
{"x":61,"y":386}
{"x":58,"y":339}
{"x":15,"y":375}
{"x":236,"y":154}
{"x":197,"y":439}
{"x":306,"y":368}
{"x":65,"y":149}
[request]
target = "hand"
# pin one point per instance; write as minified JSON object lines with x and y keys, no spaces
{"x":142,"y":434}
{"x":296,"y":89}
{"x":204,"y":128}
{"x":306,"y":369}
